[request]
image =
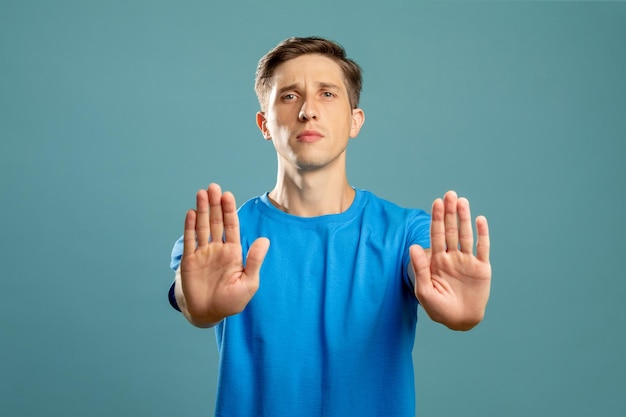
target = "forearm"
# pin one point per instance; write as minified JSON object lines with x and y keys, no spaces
{"x":182,"y":304}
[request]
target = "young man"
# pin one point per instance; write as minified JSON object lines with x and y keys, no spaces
{"x":323,"y":322}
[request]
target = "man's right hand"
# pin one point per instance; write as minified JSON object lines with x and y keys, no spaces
{"x":214,"y":282}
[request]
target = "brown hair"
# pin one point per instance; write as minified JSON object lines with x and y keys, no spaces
{"x":294,"y":47}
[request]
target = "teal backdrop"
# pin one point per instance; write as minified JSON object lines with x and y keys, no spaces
{"x":113,"y":114}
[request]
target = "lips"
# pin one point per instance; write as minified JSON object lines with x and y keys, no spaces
{"x":309,"y":136}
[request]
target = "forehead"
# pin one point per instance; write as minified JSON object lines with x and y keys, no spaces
{"x":308,"y":68}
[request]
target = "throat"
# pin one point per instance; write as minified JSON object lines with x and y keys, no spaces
{"x":313,"y":204}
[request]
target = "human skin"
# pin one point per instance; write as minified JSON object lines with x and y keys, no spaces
{"x":309,"y":120}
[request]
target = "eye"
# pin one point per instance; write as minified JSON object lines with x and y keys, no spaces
{"x":327,"y":94}
{"x":289,"y":97}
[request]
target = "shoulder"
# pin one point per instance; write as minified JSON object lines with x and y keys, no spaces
{"x":251,"y":206}
{"x":388,"y":208}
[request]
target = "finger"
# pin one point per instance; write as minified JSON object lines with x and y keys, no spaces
{"x":216,"y":220}
{"x":450,"y":220}
{"x":231,"y":220}
{"x":202,"y":218}
{"x":254,"y":260}
{"x":466,"y":236}
{"x":437,"y":229}
{"x":483,"y":244}
{"x":189,"y":236}
{"x":421,"y":269}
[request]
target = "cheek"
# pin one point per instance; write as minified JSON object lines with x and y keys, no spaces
{"x":284,"y":119}
{"x":277,"y":128}
{"x":353,"y":128}
{"x":349,"y":125}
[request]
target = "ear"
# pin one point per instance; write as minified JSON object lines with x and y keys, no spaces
{"x":261,"y":122}
{"x":358,"y":118}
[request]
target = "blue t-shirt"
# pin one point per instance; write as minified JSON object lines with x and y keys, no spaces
{"x":331,"y":329}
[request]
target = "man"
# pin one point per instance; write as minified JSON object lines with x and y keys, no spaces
{"x":323,"y":323}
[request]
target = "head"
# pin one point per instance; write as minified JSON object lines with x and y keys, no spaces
{"x":294,"y":47}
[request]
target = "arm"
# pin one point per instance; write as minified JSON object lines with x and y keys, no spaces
{"x":212,"y":282}
{"x":451,"y":283}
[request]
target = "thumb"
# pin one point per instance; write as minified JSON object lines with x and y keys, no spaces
{"x":256,"y":255}
{"x":421,"y":269}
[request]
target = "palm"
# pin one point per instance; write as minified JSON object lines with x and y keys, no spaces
{"x":453,"y":284}
{"x":214,"y":280}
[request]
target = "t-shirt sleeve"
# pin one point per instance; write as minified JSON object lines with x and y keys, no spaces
{"x":177,"y":254}
{"x":418,"y":232}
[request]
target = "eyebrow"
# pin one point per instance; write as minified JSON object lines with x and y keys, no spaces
{"x":320,"y":84}
{"x":329,"y":86}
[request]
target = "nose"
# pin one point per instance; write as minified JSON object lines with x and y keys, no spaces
{"x":307,"y":112}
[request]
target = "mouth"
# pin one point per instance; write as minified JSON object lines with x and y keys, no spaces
{"x":309,"y":136}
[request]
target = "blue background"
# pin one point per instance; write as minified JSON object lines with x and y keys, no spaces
{"x":112,"y":115}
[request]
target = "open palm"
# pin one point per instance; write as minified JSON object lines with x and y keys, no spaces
{"x":453,"y":284}
{"x":213,"y":278}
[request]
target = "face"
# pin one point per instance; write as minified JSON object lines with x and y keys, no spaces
{"x":309,"y":118}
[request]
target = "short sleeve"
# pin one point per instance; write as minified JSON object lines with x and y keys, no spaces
{"x":417,"y":232}
{"x":177,"y":254}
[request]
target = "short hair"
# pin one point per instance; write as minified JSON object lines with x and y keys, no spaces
{"x":294,"y":47}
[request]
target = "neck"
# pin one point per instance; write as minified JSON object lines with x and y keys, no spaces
{"x":312,"y":193}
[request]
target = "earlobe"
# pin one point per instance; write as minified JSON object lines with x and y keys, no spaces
{"x":358,"y":118}
{"x":261,"y":122}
